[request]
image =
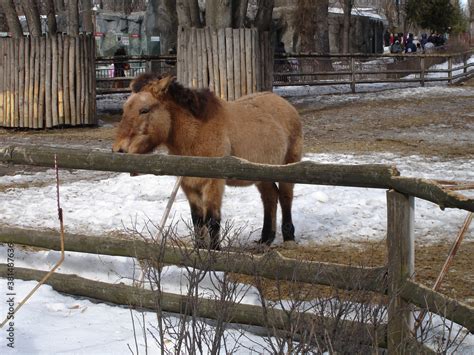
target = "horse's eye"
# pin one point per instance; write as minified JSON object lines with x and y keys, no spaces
{"x":144,"y":110}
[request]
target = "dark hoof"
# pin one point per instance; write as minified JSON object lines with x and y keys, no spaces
{"x":288,"y":231}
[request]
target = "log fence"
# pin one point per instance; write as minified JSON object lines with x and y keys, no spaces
{"x":47,"y":82}
{"x":395,"y":279}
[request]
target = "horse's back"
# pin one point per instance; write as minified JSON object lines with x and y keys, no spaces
{"x":264,"y":128}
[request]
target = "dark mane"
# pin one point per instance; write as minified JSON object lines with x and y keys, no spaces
{"x":142,"y":80}
{"x":201,"y":103}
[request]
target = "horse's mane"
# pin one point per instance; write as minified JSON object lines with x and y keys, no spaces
{"x":202,"y":103}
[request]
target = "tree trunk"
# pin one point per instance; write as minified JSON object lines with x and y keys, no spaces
{"x":14,"y":25}
{"x":239,"y":12}
{"x":347,"y":8}
{"x":219,"y":13}
{"x":263,"y":20}
{"x":188,"y":13}
{"x":30,"y":8}
{"x":87,"y":25}
{"x":51,"y":14}
{"x":73,"y":18}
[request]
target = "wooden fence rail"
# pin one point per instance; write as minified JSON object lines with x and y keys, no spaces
{"x":270,"y":318}
{"x":47,"y":82}
{"x":369,"y":175}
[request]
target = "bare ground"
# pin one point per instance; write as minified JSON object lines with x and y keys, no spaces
{"x":406,"y":126}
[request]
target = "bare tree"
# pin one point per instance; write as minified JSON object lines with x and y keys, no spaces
{"x":218,"y":13}
{"x":31,"y":11}
{"x":311,"y":22}
{"x":14,"y":25}
{"x":86,"y":15}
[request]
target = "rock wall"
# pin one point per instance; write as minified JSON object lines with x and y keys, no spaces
{"x":366,"y":31}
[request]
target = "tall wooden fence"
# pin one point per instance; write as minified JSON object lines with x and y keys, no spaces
{"x":47,"y":82}
{"x":394,"y":279}
{"x":231,"y":62}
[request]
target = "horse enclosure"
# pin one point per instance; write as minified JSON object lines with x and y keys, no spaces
{"x":395,"y":279}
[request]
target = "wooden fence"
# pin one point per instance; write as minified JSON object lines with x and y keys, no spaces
{"x":312,"y":69}
{"x":231,"y":62}
{"x":395,"y":279}
{"x":47,"y":81}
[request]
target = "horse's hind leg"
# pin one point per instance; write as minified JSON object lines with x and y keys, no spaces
{"x":269,"y":194}
{"x":286,"y":199}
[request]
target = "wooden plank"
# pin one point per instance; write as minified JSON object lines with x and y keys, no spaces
{"x":236,"y":55}
{"x":26,"y":82}
{"x":54,"y":82}
{"x":243,"y":74}
{"x":93,"y":80}
{"x":194,"y":62}
{"x":31,"y":83}
{"x":215,"y":62}
{"x":60,"y":79}
{"x":189,"y":59}
{"x":255,"y":60}
{"x":205,"y":68}
{"x":87,"y":72}
{"x":71,"y":77}
{"x":67,"y":108}
{"x":210,"y":58}
{"x":16,"y":122}
{"x":21,"y":82}
{"x":401,"y":267}
{"x":11,"y":74}
{"x":83,"y":78}
{"x":2,"y":82}
{"x":8,"y":83}
{"x":229,"y":58}
{"x":271,"y":265}
{"x":222,"y":63}
{"x":36,"y":89}
{"x":181,"y":55}
{"x":48,"y":83}
{"x":248,"y":60}
{"x":78,"y":73}
{"x":199,"y":58}
{"x":42,"y":90}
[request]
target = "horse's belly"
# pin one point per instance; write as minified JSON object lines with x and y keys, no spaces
{"x":239,"y":183}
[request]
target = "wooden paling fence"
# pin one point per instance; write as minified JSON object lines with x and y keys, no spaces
{"x":47,"y":81}
{"x":395,"y":279}
{"x":230,"y":62}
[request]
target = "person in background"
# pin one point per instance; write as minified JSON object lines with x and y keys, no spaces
{"x":386,"y":38}
{"x":396,"y":47}
{"x":424,"y":40}
{"x":120,"y":66}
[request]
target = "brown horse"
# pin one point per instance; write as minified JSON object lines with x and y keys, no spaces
{"x":261,"y":128}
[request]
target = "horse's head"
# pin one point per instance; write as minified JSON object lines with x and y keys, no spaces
{"x":146,"y":120}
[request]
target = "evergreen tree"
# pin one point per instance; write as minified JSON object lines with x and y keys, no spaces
{"x":437,"y":15}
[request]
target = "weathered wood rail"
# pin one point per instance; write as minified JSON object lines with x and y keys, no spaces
{"x":395,"y":279}
{"x":363,"y":175}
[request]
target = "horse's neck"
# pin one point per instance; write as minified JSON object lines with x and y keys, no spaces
{"x":184,"y":132}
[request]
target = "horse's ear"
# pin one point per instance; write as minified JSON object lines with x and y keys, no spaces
{"x":160,"y":87}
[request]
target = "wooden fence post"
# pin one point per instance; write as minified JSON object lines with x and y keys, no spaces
{"x":353,"y":76}
{"x":450,"y":70}
{"x":422,"y":73}
{"x":401,"y":266}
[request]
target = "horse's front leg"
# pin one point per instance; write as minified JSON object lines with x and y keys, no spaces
{"x":194,"y":196}
{"x":212,"y":194}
